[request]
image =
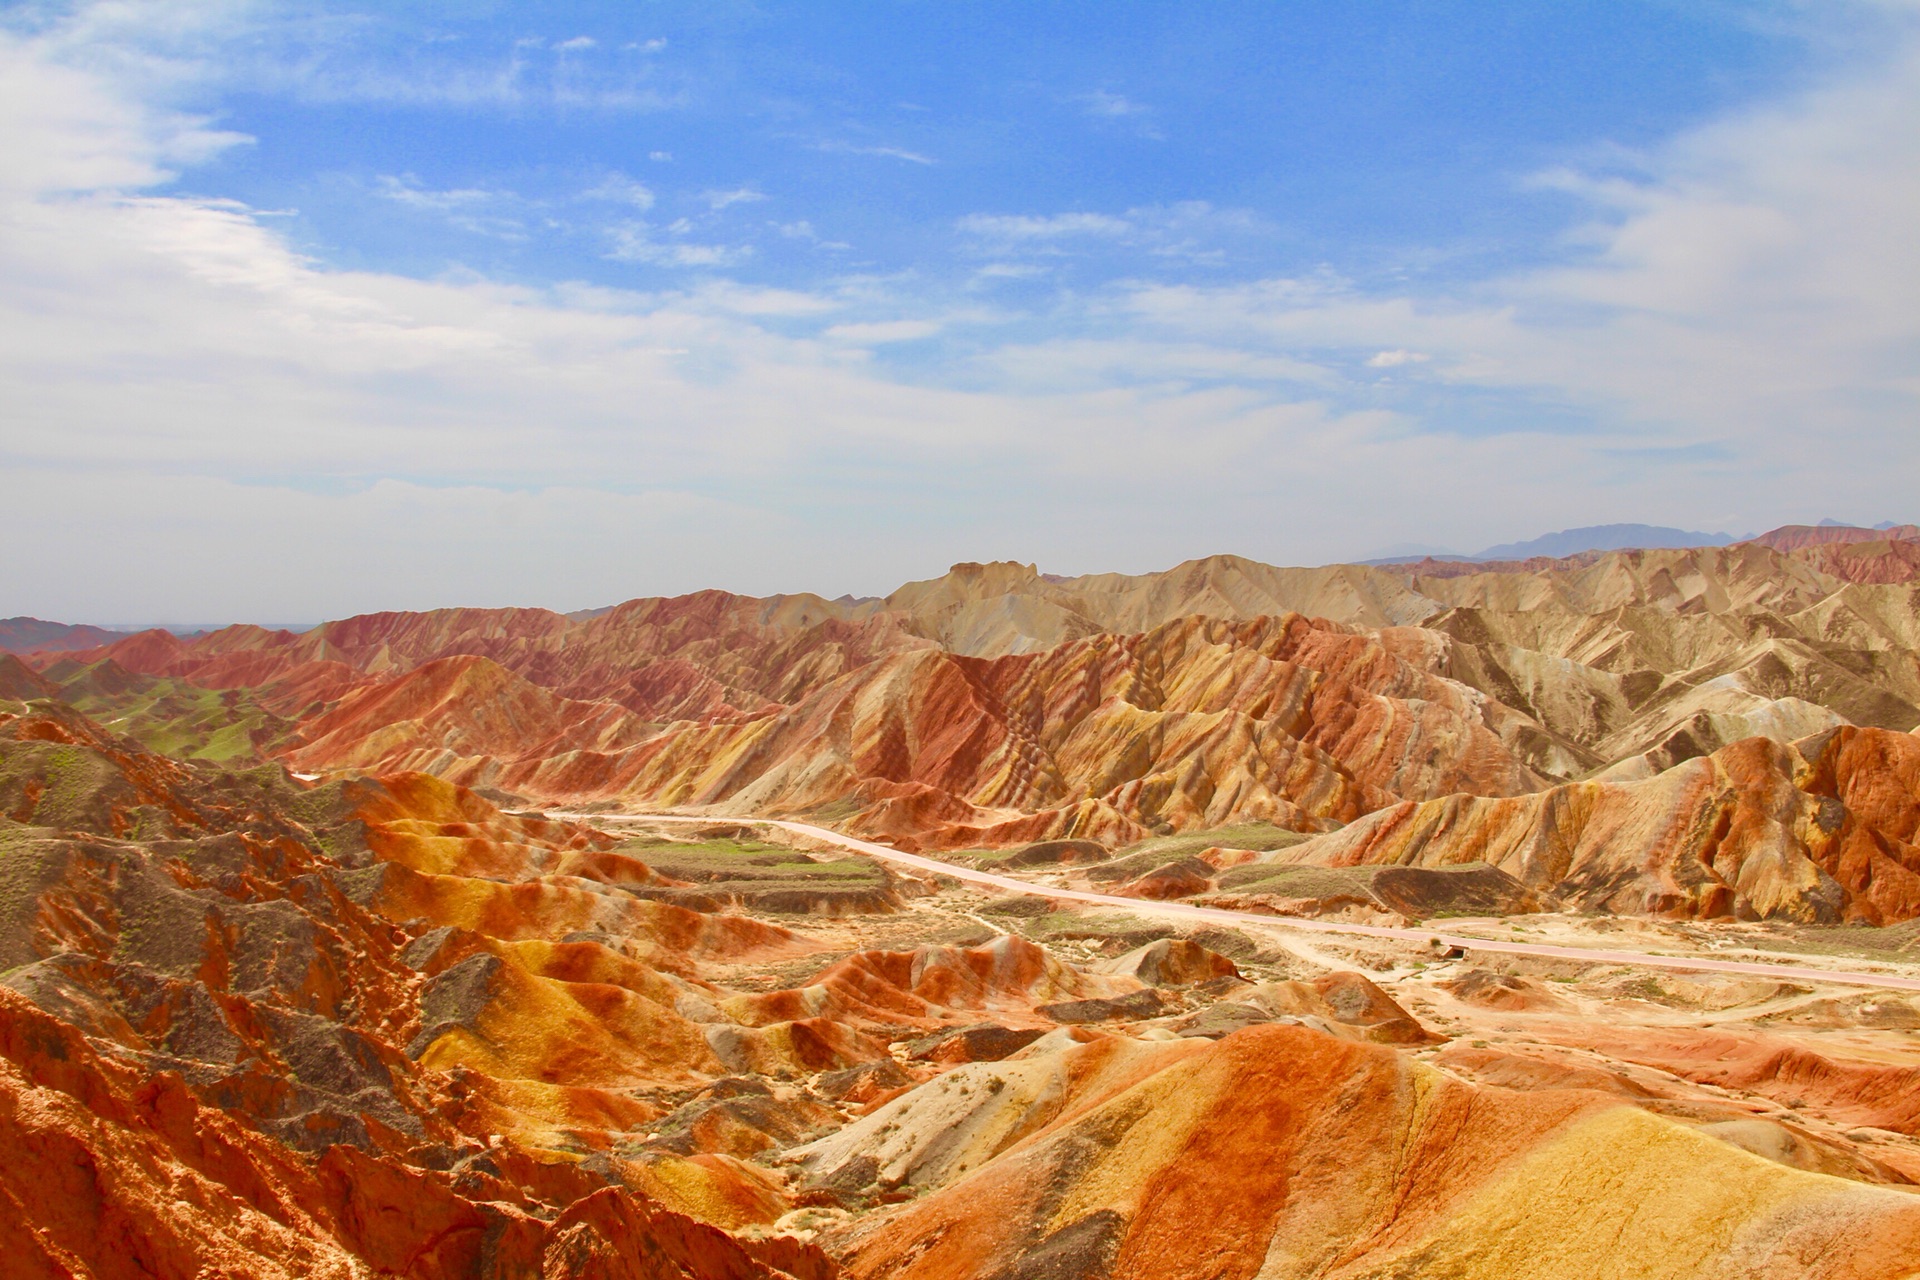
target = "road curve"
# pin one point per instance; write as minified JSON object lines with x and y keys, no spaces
{"x":1189,"y":911}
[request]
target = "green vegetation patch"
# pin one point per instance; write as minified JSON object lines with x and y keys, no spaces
{"x":1095,"y":926}
{"x":172,"y":717}
{"x":1299,"y":882}
{"x":1870,"y":942}
{"x":712,"y":861}
{"x":1262,"y":837}
{"x":978,"y":857}
{"x":55,"y":784}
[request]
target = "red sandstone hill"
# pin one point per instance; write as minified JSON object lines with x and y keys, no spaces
{"x":30,"y":635}
{"x":998,"y":704}
{"x":1822,"y":830}
{"x":377,"y":1026}
{"x":1794,"y":537}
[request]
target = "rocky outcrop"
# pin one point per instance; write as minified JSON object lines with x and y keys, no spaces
{"x":1819,"y":831}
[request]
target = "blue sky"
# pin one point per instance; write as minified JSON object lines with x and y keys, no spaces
{"x":810,"y":141}
{"x":306,"y":310}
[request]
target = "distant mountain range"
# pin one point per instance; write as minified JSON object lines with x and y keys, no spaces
{"x":1604,"y":537}
{"x":31,"y":635}
{"x":1621,"y":537}
{"x":25,"y":635}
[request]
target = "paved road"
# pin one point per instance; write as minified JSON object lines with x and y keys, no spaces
{"x":1216,"y":914}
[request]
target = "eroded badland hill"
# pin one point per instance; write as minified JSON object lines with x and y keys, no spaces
{"x":1555,"y":918}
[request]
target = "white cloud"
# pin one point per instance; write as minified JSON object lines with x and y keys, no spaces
{"x":302,"y":52}
{"x":294,"y":555}
{"x":620,"y":189}
{"x":892,"y":153}
{"x":1018,"y":227}
{"x":1192,"y":231}
{"x":803,"y":230}
{"x":471,"y":209}
{"x":1102,"y":102}
{"x":1117,"y":109}
{"x":638,"y":242}
{"x":1009,"y":271}
{"x":718,"y":200}
{"x":1398,"y":356}
{"x":67,"y":131}
{"x":881,"y":331}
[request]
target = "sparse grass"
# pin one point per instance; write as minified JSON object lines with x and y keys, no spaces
{"x":1068,"y":925}
{"x":1263,"y":837}
{"x":712,"y":861}
{"x":1298,"y":882}
{"x":1865,"y":942}
{"x":1645,"y":989}
{"x":984,"y":856}
{"x":838,"y":811}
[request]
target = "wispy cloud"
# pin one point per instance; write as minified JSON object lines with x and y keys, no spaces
{"x":1397,"y":357}
{"x":471,"y":209}
{"x":718,"y":200}
{"x":642,"y":242}
{"x":1024,"y":227}
{"x":803,"y":230}
{"x":304,"y":52}
{"x":1192,"y":231}
{"x":620,"y":189}
{"x":1102,"y":102}
{"x":1115,"y":109}
{"x":857,"y":149}
{"x":883,"y":331}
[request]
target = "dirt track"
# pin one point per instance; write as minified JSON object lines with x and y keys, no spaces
{"x":1244,"y":918}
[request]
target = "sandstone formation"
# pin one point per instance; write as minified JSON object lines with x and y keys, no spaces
{"x":1305,"y":1155}
{"x":1821,"y":830}
{"x":376,"y":1023}
{"x":1386,"y":685}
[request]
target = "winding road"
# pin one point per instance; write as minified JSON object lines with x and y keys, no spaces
{"x":1241,"y":918}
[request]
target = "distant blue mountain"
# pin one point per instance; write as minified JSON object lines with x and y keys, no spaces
{"x":1568,"y":542}
{"x":1603,"y":537}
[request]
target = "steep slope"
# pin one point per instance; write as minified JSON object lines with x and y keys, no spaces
{"x":916,"y":712}
{"x":441,"y":715}
{"x":1865,"y":561}
{"x":1194,"y":723}
{"x":1820,"y":831}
